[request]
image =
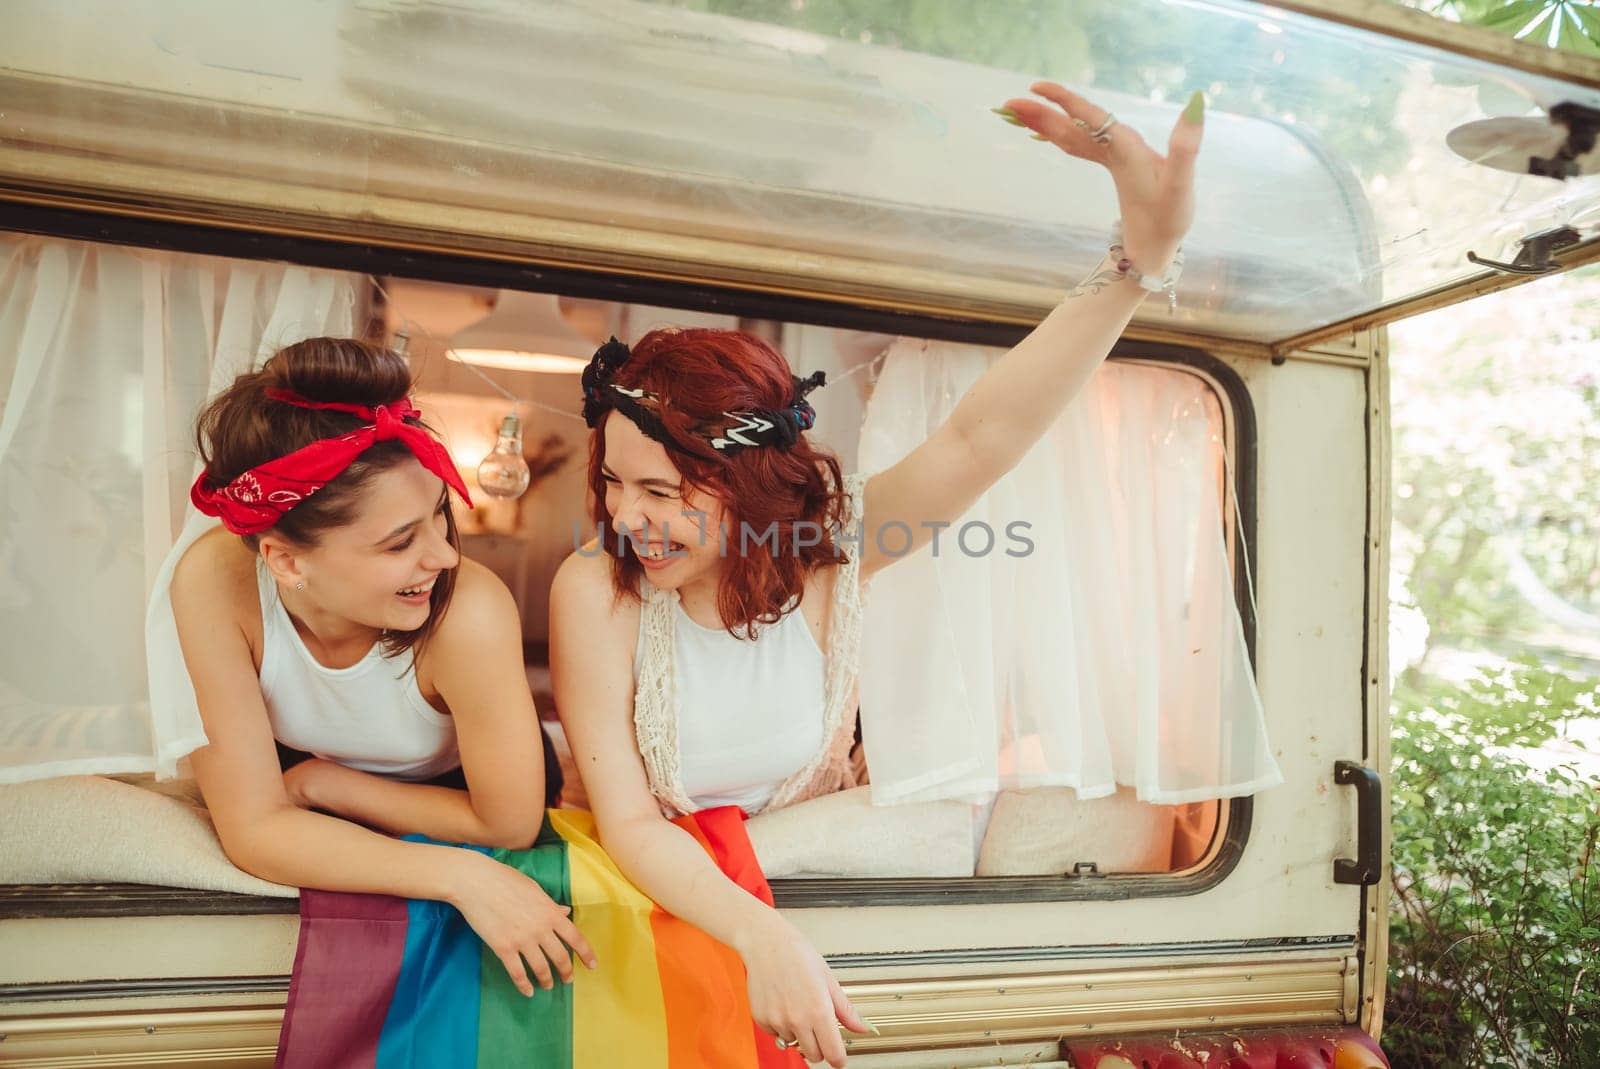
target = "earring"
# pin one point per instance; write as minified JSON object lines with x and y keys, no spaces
{"x":301,"y":585}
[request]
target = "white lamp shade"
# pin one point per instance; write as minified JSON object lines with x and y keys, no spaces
{"x":525,"y":332}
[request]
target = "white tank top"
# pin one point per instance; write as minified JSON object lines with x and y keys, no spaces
{"x":750,"y":712}
{"x":370,"y":716}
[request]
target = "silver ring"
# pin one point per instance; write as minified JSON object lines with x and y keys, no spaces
{"x":786,"y":1044}
{"x":1103,"y":135}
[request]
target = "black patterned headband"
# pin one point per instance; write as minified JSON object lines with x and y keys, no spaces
{"x":780,"y":427}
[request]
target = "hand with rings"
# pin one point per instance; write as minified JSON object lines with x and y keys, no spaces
{"x":1103,"y":133}
{"x":1155,"y":192}
{"x":793,"y":993}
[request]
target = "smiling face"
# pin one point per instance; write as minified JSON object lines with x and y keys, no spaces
{"x":665,"y":522}
{"x":378,"y":570}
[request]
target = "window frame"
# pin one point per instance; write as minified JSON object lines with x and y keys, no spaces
{"x":113,"y":900}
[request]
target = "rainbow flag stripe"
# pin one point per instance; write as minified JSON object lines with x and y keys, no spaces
{"x":386,"y":983}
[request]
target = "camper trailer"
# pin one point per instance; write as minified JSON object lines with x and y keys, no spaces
{"x":186,"y":185}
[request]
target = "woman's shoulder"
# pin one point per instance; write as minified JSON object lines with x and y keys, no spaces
{"x":584,"y":594}
{"x":584,"y":574}
{"x":216,"y":576}
{"x":480,"y":600}
{"x":821,"y":584}
{"x":482,"y":613}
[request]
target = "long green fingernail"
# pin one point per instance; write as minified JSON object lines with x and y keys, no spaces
{"x":1009,"y":116}
{"x":1195,"y":110}
{"x":1040,"y":137}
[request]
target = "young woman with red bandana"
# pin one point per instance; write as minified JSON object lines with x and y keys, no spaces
{"x":332,"y":613}
{"x":703,"y":648}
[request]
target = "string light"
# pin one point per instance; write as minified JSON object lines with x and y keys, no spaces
{"x":503,"y":472}
{"x":408,"y":322}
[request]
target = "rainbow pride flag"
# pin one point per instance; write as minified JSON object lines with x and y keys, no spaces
{"x":386,"y":983}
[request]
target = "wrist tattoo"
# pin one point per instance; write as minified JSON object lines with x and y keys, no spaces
{"x":1104,"y":275}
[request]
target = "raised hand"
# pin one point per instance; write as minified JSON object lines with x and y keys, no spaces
{"x":1155,"y":192}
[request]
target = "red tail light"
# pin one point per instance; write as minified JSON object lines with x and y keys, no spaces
{"x":1300,"y":1048}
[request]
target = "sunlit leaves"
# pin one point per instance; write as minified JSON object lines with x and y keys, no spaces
{"x":1573,"y":25}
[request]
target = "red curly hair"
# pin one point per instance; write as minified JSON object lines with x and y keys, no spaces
{"x":699,"y":374}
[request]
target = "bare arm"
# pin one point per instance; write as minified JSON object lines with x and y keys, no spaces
{"x":476,"y":662}
{"x":1015,"y":402}
{"x":591,"y":666}
{"x":792,"y":992}
{"x":264,"y":833}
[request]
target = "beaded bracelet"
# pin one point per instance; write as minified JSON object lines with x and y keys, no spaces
{"x":1167,"y":282}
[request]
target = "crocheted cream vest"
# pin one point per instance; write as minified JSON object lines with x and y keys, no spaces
{"x":655,"y":701}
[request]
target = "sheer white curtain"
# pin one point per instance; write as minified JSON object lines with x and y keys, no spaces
{"x":106,"y":354}
{"x":840,"y":404}
{"x":1097,"y":643}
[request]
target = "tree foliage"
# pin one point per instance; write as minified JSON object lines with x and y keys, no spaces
{"x":1570,"y":24}
{"x":1495,"y":931}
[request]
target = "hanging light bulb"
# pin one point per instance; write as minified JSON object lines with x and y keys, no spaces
{"x":503,"y":472}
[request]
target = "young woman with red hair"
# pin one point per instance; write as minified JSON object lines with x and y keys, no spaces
{"x":704,"y":651}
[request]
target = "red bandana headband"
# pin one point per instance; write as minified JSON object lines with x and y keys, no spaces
{"x":258,"y":498}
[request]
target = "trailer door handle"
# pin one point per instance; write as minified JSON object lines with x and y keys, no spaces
{"x":1364,"y":869}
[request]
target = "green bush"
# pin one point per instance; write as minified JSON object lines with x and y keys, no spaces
{"x":1494,"y":956}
